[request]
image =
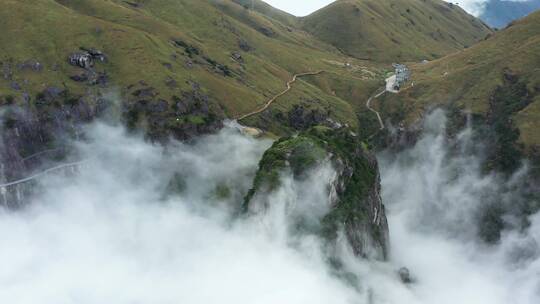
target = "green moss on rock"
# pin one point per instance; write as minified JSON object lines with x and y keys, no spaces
{"x":358,"y":207}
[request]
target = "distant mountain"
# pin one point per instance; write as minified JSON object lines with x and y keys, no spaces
{"x":399,"y":30}
{"x":498,"y":13}
{"x":268,"y":11}
{"x":496,"y":80}
{"x":179,"y":66}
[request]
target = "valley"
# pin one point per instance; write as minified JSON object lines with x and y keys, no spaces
{"x":226,"y":151}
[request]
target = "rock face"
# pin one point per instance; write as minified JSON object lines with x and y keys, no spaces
{"x":86,"y":58}
{"x":33,"y":135}
{"x":185,"y":117}
{"x":405,"y":275}
{"x":301,"y":118}
{"x":35,"y":130}
{"x":356,"y":208}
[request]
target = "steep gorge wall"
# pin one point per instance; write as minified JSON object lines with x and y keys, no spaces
{"x":354,"y":201}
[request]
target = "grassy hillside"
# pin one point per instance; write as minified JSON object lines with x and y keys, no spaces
{"x":269,"y":11}
{"x":218,"y":53}
{"x":497,"y":78}
{"x":395,"y":30}
{"x":497,"y":81}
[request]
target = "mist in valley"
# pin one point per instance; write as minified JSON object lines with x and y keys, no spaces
{"x":142,"y":223}
{"x":436,"y":197}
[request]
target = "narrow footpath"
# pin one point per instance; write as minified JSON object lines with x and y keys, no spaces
{"x":37,"y":175}
{"x":368,"y":105}
{"x":389,"y":87}
{"x":269,"y":102}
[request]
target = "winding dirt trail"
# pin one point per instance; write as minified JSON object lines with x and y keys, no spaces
{"x":289,"y":87}
{"x":389,"y":87}
{"x":269,"y":102}
{"x":368,"y":105}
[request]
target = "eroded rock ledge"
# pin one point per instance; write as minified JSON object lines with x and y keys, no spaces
{"x":356,"y":207}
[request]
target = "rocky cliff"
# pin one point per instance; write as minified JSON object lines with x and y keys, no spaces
{"x":355,"y":205}
{"x":35,"y":135}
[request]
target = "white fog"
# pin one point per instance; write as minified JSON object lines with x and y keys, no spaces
{"x":108,"y":234}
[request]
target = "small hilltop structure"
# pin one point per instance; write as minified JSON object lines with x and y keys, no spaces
{"x":403,"y":74}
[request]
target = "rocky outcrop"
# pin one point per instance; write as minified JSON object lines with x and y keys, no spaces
{"x":183,"y":117}
{"x":356,"y":208}
{"x":244,"y":45}
{"x":34,"y":133}
{"x":405,"y":275}
{"x":35,"y":130}
{"x":268,"y":32}
{"x":302,"y":118}
{"x":30,"y":65}
{"x":86,"y":58}
{"x":197,"y":57}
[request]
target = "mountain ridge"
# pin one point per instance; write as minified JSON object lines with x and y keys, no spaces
{"x":499,"y":13}
{"x":204,"y":61}
{"x":362,"y":28}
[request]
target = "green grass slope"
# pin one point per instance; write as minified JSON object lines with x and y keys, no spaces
{"x":395,"y":30}
{"x":171,"y":46}
{"x":501,"y":73}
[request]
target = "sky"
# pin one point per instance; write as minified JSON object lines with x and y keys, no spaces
{"x":299,"y":7}
{"x":305,"y":7}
